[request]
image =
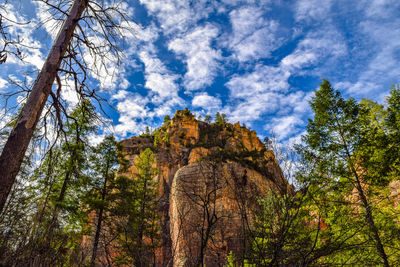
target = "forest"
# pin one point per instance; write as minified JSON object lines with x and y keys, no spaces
{"x":192,"y":189}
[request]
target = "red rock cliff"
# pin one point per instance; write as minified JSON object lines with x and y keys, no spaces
{"x":210,"y":176}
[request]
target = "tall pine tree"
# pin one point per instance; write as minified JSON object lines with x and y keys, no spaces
{"x":333,"y":137}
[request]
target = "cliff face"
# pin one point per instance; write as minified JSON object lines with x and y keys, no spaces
{"x":210,"y":176}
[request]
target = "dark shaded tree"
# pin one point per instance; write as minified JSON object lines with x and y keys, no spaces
{"x":64,"y":58}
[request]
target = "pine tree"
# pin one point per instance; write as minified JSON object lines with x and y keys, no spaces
{"x":220,"y":119}
{"x":333,"y":137}
{"x":136,"y":212}
{"x":104,"y":163}
{"x":60,"y":184}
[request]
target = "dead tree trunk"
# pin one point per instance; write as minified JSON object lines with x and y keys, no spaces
{"x":18,"y":141}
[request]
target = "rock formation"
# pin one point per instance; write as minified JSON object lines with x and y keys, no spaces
{"x":210,"y":176}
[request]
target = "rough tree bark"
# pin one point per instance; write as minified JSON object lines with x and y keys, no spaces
{"x":18,"y":141}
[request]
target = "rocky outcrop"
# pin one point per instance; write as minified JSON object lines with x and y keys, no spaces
{"x":210,"y":176}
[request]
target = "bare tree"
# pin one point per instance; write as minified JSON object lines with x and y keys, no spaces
{"x":9,"y":44}
{"x":198,"y":216}
{"x":86,"y":22}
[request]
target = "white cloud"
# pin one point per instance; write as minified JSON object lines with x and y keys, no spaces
{"x":132,"y":112}
{"x":201,"y":59}
{"x":3,"y":84}
{"x":262,"y":79}
{"x":326,"y":44}
{"x":135,"y":106}
{"x":68,"y":92}
{"x":136,"y":111}
{"x":95,"y":139}
{"x":176,"y":16}
{"x":379,"y":8}
{"x":312,"y":10}
{"x":256,"y":93}
{"x":163,"y":84}
{"x":266,"y":92}
{"x":253,"y":35}
{"x":285,"y":126}
{"x":209,"y":103}
{"x":24,"y":29}
{"x":381,"y":69}
{"x":151,"y":62}
{"x":158,"y":78}
{"x":253,"y":107}
{"x":167,"y":107}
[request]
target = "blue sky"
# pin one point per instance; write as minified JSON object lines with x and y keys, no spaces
{"x":256,"y":61}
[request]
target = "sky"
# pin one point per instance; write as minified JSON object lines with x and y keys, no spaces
{"x":258,"y":62}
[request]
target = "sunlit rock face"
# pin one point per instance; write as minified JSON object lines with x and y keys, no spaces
{"x":210,"y":176}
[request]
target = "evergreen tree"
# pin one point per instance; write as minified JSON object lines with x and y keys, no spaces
{"x":104,"y":163}
{"x":136,"y":212}
{"x":60,"y":184}
{"x":65,"y":58}
{"x":333,"y":137}
{"x":207,"y":118}
{"x":167,"y":119}
{"x":393,"y":127}
{"x":220,"y":119}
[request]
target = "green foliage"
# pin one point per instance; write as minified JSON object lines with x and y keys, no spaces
{"x":135,"y":207}
{"x":167,"y":119}
{"x":233,"y":262}
{"x":207,"y":119}
{"x":348,"y":172}
{"x":280,"y":236}
{"x":220,"y":119}
{"x":186,"y":112}
{"x":57,"y":217}
{"x":165,"y":138}
{"x":157,"y":137}
{"x":321,"y":223}
{"x":393,"y":118}
{"x":160,"y":136}
{"x":104,"y":162}
{"x":393,"y":129}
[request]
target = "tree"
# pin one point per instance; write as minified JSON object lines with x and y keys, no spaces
{"x":64,"y":57}
{"x":167,"y":119}
{"x":393,"y":125}
{"x":67,"y":172}
{"x":8,"y":44}
{"x":135,"y":211}
{"x":333,"y":137}
{"x":207,"y":118}
{"x":220,"y":119}
{"x":18,"y":141}
{"x":53,"y":218}
{"x":104,"y":162}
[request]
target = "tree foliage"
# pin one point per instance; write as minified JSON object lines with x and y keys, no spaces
{"x":136,"y":223}
{"x":344,"y":210}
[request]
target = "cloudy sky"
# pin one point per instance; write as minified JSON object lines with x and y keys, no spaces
{"x":256,"y":61}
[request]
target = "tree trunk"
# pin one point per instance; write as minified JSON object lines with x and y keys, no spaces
{"x":366,"y":205}
{"x":97,"y":237}
{"x":99,"y":220}
{"x":371,"y":223}
{"x":18,"y":141}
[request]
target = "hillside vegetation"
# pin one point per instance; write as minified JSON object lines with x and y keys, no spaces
{"x":200,"y":193}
